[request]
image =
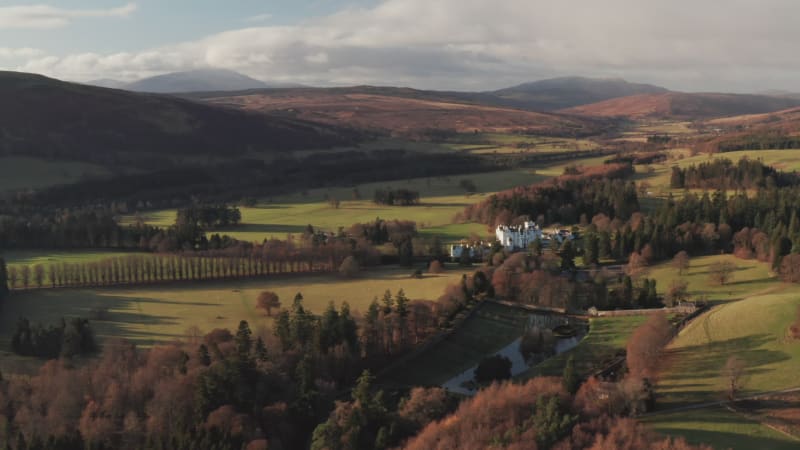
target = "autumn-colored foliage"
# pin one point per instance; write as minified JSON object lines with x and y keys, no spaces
{"x":646,"y":345}
{"x":267,"y":301}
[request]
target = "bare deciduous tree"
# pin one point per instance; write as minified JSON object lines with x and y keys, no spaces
{"x":681,"y":262}
{"x":733,"y":373}
{"x":721,"y":273}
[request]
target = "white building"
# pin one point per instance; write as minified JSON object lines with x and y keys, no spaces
{"x":475,"y":251}
{"x":518,"y":237}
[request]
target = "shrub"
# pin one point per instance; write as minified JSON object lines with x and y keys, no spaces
{"x":349,"y":267}
{"x":435,"y":267}
{"x":493,"y":368}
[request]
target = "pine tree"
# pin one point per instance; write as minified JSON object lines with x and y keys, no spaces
{"x":570,"y":377}
{"x":401,"y":303}
{"x":261,"y":350}
{"x":243,"y":340}
{"x":591,"y":249}
{"x":283,"y":329}
{"x":388,"y":302}
{"x":203,"y":356}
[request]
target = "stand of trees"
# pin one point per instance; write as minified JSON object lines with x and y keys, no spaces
{"x":209,"y":216}
{"x":399,"y":197}
{"x":762,"y":141}
{"x":537,"y":280}
{"x":725,"y":174}
{"x":80,"y":228}
{"x":564,"y":199}
{"x":67,"y":339}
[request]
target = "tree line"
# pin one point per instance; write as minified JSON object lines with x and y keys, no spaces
{"x":396,"y":197}
{"x":564,"y":199}
{"x":65,"y":339}
{"x":723,"y":173}
{"x":209,"y":216}
{"x":243,"y":261}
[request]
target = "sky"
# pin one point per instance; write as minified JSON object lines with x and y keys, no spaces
{"x":690,"y":45}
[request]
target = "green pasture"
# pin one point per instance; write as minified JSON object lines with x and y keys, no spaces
{"x":33,"y":257}
{"x":749,"y":277}
{"x":160,"y":313}
{"x":753,"y":329}
{"x":720,"y":428}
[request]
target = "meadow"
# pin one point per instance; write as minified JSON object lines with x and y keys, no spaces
{"x":750,"y":320}
{"x":442,"y":198}
{"x":154,"y":314}
{"x":33,"y":257}
{"x":749,"y":277}
{"x":721,"y":428}
{"x":753,"y":329}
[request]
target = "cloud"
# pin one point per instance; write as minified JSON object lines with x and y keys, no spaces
{"x":474,"y":44}
{"x":15,"y":53}
{"x":258,"y":18}
{"x":45,"y":16}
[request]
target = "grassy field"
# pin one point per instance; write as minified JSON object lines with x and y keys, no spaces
{"x":750,"y":276}
{"x":442,"y":199}
{"x":489,"y":330}
{"x":153,"y":314}
{"x":31,"y":173}
{"x":489,"y":143}
{"x":720,"y":428}
{"x":606,"y":336}
{"x":750,"y":321}
{"x":33,"y":257}
{"x":753,"y":329}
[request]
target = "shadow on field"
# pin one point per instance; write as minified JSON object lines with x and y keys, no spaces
{"x":265,"y":228}
{"x":733,"y":441}
{"x":123,"y":314}
{"x":706,"y":362}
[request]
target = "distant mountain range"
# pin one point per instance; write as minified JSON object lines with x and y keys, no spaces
{"x":561,"y":93}
{"x":200,"y":80}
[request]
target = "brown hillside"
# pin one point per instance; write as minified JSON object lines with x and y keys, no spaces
{"x":46,"y":117}
{"x":402,"y":114}
{"x":788,"y":119}
{"x":684,"y":106}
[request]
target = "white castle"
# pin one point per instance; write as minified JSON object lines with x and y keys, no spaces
{"x":518,"y":237}
{"x":513,"y":238}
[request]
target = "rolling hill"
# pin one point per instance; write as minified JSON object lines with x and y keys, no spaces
{"x":40,"y":116}
{"x":561,"y":93}
{"x":200,"y":80}
{"x":403,"y":111}
{"x":674,"y":105}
